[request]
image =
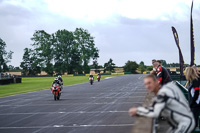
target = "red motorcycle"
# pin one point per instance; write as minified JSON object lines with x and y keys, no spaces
{"x":98,"y":78}
{"x":56,"y":91}
{"x":91,"y":80}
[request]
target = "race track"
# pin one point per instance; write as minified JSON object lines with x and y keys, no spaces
{"x":83,"y":108}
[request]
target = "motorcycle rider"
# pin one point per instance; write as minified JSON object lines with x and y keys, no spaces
{"x":91,"y":76}
{"x":162,"y":73}
{"x":59,"y":78}
{"x":98,"y":77}
{"x":170,"y":103}
{"x":56,"y":81}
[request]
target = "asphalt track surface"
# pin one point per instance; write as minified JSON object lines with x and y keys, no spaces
{"x":83,"y":108}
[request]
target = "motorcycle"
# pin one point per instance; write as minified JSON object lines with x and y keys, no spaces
{"x":56,"y":91}
{"x":98,"y":78}
{"x":91,"y":80}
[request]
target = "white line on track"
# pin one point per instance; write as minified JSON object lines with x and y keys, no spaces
{"x":78,"y":112}
{"x":74,"y":125}
{"x":104,"y":103}
{"x":140,"y":77}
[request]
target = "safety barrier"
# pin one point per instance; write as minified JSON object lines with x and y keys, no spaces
{"x":10,"y":81}
{"x":143,"y":124}
{"x":127,"y":73}
{"x":117,"y":73}
{"x":79,"y":74}
{"x":68,"y":75}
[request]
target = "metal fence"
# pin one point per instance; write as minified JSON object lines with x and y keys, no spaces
{"x":5,"y":76}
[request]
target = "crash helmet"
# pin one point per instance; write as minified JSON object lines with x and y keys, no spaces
{"x":56,"y":79}
{"x":59,"y":76}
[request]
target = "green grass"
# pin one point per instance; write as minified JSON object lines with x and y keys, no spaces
{"x":39,"y":83}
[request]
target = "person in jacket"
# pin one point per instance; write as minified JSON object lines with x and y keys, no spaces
{"x":162,"y":73}
{"x":169,"y":103}
{"x":194,"y":98}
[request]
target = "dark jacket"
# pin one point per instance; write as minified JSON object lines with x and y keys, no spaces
{"x":192,"y":100}
{"x":163,"y":75}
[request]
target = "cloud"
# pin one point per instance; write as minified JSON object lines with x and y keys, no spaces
{"x":123,"y":29}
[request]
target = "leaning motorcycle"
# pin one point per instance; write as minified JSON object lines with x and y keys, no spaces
{"x":56,"y":91}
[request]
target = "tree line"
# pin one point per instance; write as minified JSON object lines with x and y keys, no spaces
{"x":61,"y":52}
{"x":65,"y":52}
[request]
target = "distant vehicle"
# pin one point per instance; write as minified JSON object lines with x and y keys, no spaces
{"x":98,"y":78}
{"x":91,"y":80}
{"x":56,"y":91}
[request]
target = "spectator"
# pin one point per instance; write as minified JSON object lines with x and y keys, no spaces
{"x":194,"y":98}
{"x":162,"y":73}
{"x":153,"y":61}
{"x":196,"y":69}
{"x":170,"y":103}
{"x":154,"y":70}
{"x":159,"y":62}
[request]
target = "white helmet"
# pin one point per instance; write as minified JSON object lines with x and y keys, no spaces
{"x":56,"y":79}
{"x":59,"y":76}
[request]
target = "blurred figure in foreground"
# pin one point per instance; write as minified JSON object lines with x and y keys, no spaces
{"x":194,"y":97}
{"x":170,"y":103}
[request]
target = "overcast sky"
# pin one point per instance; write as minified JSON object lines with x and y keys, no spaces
{"x":137,"y":30}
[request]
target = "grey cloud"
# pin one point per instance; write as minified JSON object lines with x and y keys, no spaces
{"x":119,"y":38}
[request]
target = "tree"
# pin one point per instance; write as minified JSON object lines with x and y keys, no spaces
{"x":142,"y":67}
{"x":43,"y":44}
{"x":109,"y":66}
{"x":11,"y":67}
{"x":85,"y":43}
{"x":164,"y":63}
{"x":5,"y":57}
{"x":149,"y":68}
{"x":30,"y":65}
{"x":130,"y":66}
{"x":64,"y":50}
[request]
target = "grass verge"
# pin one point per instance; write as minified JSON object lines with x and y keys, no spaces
{"x":40,"y":83}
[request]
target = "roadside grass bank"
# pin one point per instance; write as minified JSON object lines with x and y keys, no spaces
{"x":31,"y":84}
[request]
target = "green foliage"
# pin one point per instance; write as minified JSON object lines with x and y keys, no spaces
{"x":43,"y":44}
{"x":63,"y":51}
{"x":85,"y":43}
{"x":5,"y":57}
{"x":141,"y":67}
{"x":164,"y":63}
{"x":130,"y":66}
{"x":109,"y":66}
{"x":149,"y":68}
{"x":30,"y":64}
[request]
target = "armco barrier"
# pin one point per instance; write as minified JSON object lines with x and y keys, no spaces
{"x":127,"y":73}
{"x":68,"y":75}
{"x":79,"y":74}
{"x":117,"y":73}
{"x":100,"y":74}
{"x":10,"y":81}
{"x":144,"y":124}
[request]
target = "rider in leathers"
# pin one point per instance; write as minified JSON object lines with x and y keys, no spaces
{"x":171,"y":104}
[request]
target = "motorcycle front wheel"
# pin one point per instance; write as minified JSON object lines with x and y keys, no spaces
{"x":55,"y":96}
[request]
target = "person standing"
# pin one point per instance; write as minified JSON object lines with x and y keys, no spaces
{"x":194,"y":98}
{"x":162,"y":74}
